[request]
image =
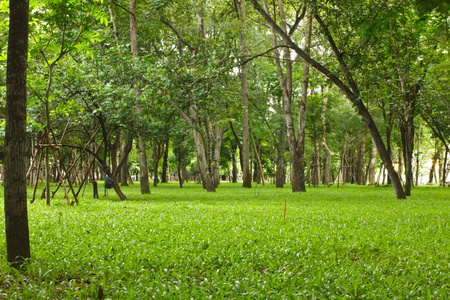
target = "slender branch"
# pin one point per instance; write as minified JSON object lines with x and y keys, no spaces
{"x":297,"y":20}
{"x":124,"y":8}
{"x":177,"y":33}
{"x":338,"y":54}
{"x":236,"y":137}
{"x":267,"y":123}
{"x":353,"y":97}
{"x":262,"y":54}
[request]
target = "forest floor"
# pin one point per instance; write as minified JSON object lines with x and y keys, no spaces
{"x":335,"y":243}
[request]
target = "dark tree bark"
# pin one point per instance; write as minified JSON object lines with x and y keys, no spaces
{"x":165,"y":163}
{"x":143,"y":167}
{"x":123,"y":156}
{"x":15,"y":181}
{"x":418,"y":156}
{"x":156,"y":153}
{"x":234,"y":170}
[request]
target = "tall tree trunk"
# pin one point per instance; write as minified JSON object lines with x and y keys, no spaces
{"x":123,"y":155}
{"x":216,"y":156}
{"x":165,"y":162}
{"x":400,"y":163}
{"x":407,"y":134}
{"x":113,"y":148}
{"x":302,"y":110}
{"x":296,"y":144}
{"x":372,"y":164}
{"x":316,"y":163}
{"x":234,"y":170}
{"x":156,"y":153}
{"x":444,"y":169}
{"x":246,"y":175}
{"x":15,"y":181}
{"x":326,"y":149}
{"x":200,"y":148}
{"x":280,"y":173}
{"x":360,"y":162}
{"x":417,"y":156}
{"x":180,"y":162}
{"x":143,"y":167}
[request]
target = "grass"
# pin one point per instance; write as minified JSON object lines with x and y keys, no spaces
{"x":337,"y":243}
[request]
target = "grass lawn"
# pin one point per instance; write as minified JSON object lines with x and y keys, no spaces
{"x":337,"y":243}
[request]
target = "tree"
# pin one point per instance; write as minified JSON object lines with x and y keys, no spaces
{"x":296,"y":143}
{"x":348,"y":86}
{"x":143,"y":176}
{"x":245,"y":156}
{"x":16,"y":218}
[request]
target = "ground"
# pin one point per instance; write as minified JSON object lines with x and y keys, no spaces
{"x":334,"y":243}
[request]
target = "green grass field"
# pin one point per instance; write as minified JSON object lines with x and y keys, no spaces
{"x":337,"y":243}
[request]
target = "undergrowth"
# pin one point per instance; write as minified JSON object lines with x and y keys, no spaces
{"x":336,"y":243}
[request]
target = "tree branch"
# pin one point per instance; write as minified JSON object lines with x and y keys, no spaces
{"x":262,"y":54}
{"x":193,"y":49}
{"x":124,"y":8}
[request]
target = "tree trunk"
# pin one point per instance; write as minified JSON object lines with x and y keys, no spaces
{"x":180,"y":162}
{"x":246,"y":175}
{"x":113,"y":151}
{"x":296,"y":145}
{"x":15,"y":181}
{"x":360,"y":163}
{"x":280,"y":173}
{"x":216,"y":158}
{"x":327,"y":158}
{"x":143,"y":167}
{"x":258,"y":165}
{"x":200,"y":148}
{"x":234,"y":170}
{"x":407,"y":134}
{"x":316,"y":163}
{"x":165,"y":162}
{"x":444,"y":169}
{"x":417,"y":156}
{"x":372,"y":164}
{"x":156,"y":156}
{"x":123,"y":155}
{"x":302,"y":110}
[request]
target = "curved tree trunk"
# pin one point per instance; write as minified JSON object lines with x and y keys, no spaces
{"x":143,"y":167}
